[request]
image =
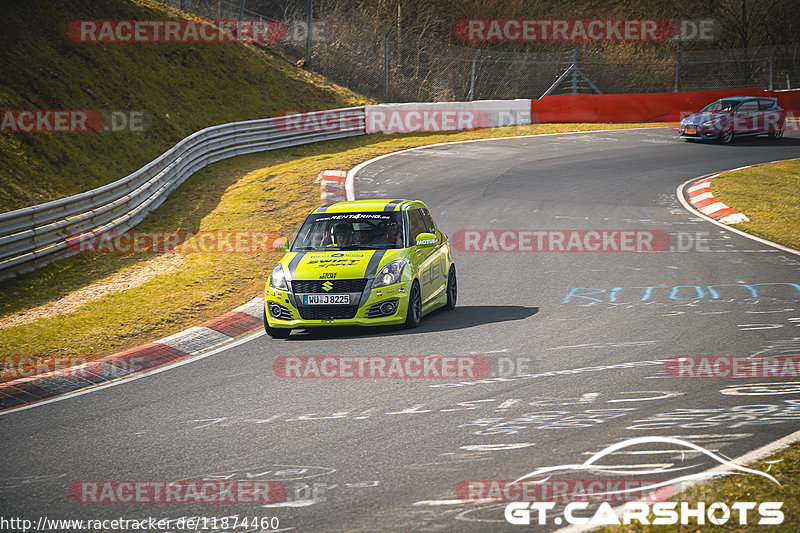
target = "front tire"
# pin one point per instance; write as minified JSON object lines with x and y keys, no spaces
{"x":275,"y":333}
{"x":452,"y":289}
{"x":414,"y":311}
{"x":726,"y":137}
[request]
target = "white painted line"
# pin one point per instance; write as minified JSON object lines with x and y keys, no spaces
{"x":442,"y":502}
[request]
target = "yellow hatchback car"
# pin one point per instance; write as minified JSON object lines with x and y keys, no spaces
{"x":364,"y":263}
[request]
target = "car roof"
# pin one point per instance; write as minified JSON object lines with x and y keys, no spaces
{"x":743,"y":98}
{"x":370,"y":206}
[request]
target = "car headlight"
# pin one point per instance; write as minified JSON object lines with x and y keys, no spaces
{"x":712,"y":122}
{"x":277,"y":280}
{"x":390,"y":274}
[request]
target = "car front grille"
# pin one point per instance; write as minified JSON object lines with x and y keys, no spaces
{"x":327,"y":312}
{"x":337,"y":286}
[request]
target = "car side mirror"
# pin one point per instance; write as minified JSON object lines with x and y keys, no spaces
{"x":426,"y":240}
{"x":281,"y":244}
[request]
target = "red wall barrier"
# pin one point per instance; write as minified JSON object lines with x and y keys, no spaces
{"x":650,"y":107}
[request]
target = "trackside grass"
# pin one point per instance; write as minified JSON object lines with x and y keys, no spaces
{"x":770,"y":197}
{"x":269,"y":191}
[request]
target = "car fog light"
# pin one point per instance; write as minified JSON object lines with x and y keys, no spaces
{"x":388,"y":308}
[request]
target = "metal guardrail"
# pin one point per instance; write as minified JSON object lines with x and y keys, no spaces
{"x":38,"y":235}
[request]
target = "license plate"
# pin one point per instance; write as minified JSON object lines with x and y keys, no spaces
{"x":691,"y":132}
{"x":326,"y":299}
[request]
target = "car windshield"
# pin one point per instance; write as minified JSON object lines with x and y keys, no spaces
{"x":350,"y":231}
{"x":721,"y":105}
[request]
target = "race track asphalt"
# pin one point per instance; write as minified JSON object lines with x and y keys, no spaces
{"x":389,"y":454}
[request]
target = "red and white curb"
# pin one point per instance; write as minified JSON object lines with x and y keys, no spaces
{"x":236,"y":323}
{"x":701,"y":199}
{"x":331,"y":186}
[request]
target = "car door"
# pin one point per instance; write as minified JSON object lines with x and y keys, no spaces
{"x":746,"y":117}
{"x":438,"y":269}
{"x":770,"y":115}
{"x":422,"y":256}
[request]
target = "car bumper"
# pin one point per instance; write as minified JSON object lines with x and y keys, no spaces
{"x":700,"y":132}
{"x":368,"y":313}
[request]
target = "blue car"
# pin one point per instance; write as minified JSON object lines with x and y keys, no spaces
{"x":736,"y":116}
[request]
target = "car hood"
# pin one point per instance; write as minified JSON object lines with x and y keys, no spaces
{"x":703,"y":116}
{"x":349,"y":264}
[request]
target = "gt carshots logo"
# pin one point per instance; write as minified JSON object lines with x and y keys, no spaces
{"x":644,"y":510}
{"x":665,"y":513}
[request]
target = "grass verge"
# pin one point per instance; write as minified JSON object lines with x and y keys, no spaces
{"x":783,"y":466}
{"x":770,"y":197}
{"x":268,"y":191}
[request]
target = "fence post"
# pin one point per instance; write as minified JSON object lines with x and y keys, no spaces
{"x":386,"y":64}
{"x":472,"y":75}
{"x":239,"y":21}
{"x":677,"y":63}
{"x":210,"y":11}
{"x":575,"y":71}
{"x":771,"y":58}
{"x":308,"y":33}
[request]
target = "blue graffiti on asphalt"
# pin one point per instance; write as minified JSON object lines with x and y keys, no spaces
{"x":679,"y":292}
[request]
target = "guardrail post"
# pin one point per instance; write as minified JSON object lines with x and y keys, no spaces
{"x":386,"y":64}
